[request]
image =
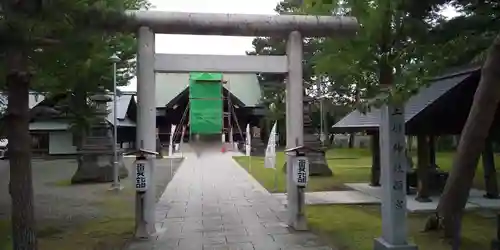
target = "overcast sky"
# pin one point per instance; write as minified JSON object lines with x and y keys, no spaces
{"x":215,"y":45}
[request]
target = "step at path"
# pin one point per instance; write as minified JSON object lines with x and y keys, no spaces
{"x":213,"y":204}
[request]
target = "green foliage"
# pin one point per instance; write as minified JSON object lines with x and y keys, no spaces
{"x":272,"y":84}
{"x":471,"y":33}
{"x":400,"y":43}
{"x":70,"y":43}
{"x":389,"y":49}
{"x":392,"y":48}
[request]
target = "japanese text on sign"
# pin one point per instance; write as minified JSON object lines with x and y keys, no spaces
{"x":141,"y":181}
{"x":398,"y":185}
{"x":301,"y":171}
{"x":398,"y":159}
{"x":399,"y":204}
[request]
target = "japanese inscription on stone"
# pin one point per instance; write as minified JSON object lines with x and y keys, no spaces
{"x":396,"y":125}
{"x":301,"y":171}
{"x":393,"y":174}
{"x":141,"y":175}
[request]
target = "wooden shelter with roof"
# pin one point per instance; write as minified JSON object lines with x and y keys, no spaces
{"x":440,"y":109}
{"x":51,"y":122}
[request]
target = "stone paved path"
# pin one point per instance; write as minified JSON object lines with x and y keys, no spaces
{"x":212,"y":204}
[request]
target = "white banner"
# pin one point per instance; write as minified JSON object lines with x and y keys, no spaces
{"x":171,"y":146}
{"x":270,"y":157}
{"x":182,"y":135}
{"x":231,"y":136}
{"x":248,"y":146}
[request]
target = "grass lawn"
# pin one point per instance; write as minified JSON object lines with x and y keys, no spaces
{"x":97,"y":234}
{"x":355,"y":227}
{"x":101,"y":233}
{"x":5,"y":228}
{"x":348,"y":166}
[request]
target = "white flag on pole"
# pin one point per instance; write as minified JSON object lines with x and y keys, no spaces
{"x":170,"y":146}
{"x":182,"y":134}
{"x":231,"y":135}
{"x":248,"y":146}
{"x":270,"y":157}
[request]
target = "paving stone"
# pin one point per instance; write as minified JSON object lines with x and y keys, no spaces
{"x":173,"y":220}
{"x":193,"y":219}
{"x":141,"y":245}
{"x":236,"y":226}
{"x":195,"y":243}
{"x":277,"y":230}
{"x":171,"y":230}
{"x":298,"y":240}
{"x":249,"y":238}
{"x":172,"y":225}
{"x":211,"y":221}
{"x":192,"y":226}
{"x":216,"y":240}
{"x":268,"y":246}
{"x":180,"y":235}
{"x":166,"y":244}
{"x":206,"y":229}
{"x":236,"y":246}
{"x":212,"y":217}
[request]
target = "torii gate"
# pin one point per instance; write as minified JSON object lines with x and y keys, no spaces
{"x":295,"y":27}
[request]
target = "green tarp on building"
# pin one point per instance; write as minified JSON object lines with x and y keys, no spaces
{"x":206,"y":103}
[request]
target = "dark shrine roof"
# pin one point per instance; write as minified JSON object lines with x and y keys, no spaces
{"x":421,"y":109}
{"x":183,"y":98}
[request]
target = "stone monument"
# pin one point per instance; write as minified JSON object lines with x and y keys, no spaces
{"x":318,"y":166}
{"x":95,"y":163}
{"x":258,"y":147}
{"x":159,"y":148}
{"x":317,"y":160}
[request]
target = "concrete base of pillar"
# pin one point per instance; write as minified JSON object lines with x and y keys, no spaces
{"x":299,"y":225}
{"x":423,"y":199}
{"x":491,"y":196}
{"x":382,"y":244}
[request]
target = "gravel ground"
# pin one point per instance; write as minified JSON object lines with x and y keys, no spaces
{"x":59,"y":204}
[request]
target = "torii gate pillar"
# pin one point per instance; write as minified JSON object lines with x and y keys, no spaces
{"x":146,"y":123}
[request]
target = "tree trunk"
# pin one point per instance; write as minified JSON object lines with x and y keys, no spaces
{"x":471,"y":144}
{"x":21,"y":181}
{"x":490,"y":173}
{"x":80,"y":104}
{"x":423,"y":169}
{"x":375,"y":170}
{"x":326,"y":131}
{"x":432,"y":152}
{"x":352,"y":137}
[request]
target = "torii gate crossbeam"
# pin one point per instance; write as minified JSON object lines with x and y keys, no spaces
{"x":244,"y":24}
